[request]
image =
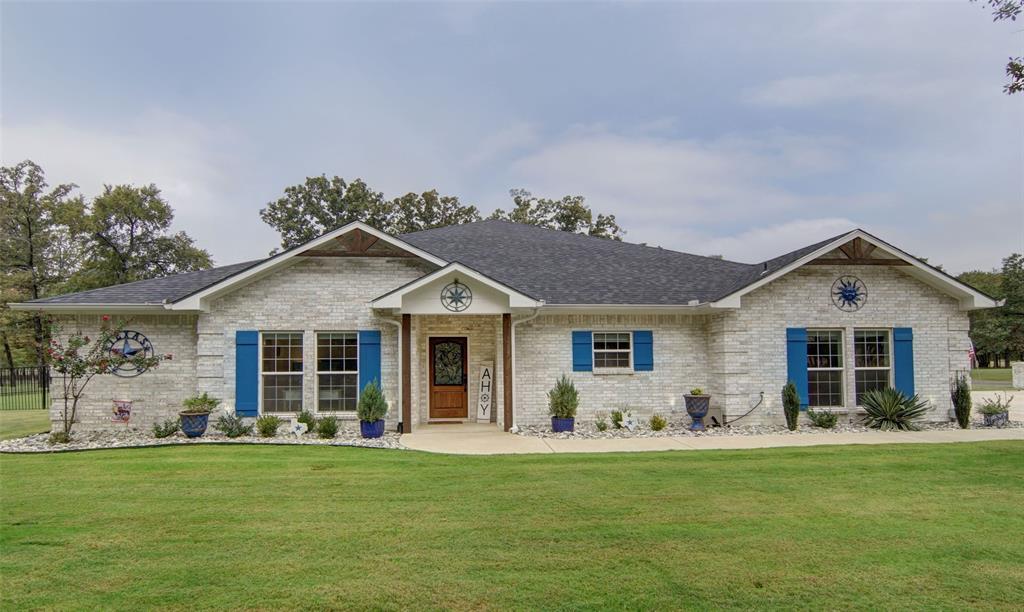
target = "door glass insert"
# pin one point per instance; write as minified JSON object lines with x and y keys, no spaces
{"x":448,"y":363}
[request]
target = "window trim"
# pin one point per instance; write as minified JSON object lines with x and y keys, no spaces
{"x":302,"y":374}
{"x":841,"y":369}
{"x":317,"y":372}
{"x":593,"y":352}
{"x":890,"y":368}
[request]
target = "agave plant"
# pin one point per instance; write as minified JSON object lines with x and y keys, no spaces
{"x":889,"y":409}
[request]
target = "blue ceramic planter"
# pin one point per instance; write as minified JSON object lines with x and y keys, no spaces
{"x":697,"y":407}
{"x":559,"y":425}
{"x":194,"y":425}
{"x":371,"y":430}
{"x":996,"y":420}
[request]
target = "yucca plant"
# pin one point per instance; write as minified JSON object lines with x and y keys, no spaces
{"x":891,"y":410}
{"x":960,"y":394}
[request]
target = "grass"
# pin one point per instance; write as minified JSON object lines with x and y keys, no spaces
{"x":884,"y":527}
{"x":991,"y":379}
{"x":18,"y":423}
{"x":21,"y":400}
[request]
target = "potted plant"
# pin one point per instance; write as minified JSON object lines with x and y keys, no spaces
{"x":697,"y":406}
{"x":996,"y":412}
{"x":196,"y":415}
{"x":563,"y":400}
{"x":371,"y":411}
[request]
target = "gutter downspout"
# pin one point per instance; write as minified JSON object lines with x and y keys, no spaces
{"x":534,"y":315}
{"x":398,"y":326}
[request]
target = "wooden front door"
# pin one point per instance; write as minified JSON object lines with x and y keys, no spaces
{"x":448,"y":398}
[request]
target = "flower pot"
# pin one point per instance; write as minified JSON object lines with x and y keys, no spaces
{"x":999,"y":419}
{"x":193,"y":424}
{"x":697,"y":407}
{"x":558,"y":425}
{"x":371,"y":429}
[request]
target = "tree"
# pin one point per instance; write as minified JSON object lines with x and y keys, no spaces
{"x":569,"y":214}
{"x":32,"y":252}
{"x":999,"y":332}
{"x":125,"y":236}
{"x":414,"y":212}
{"x":1001,"y":11}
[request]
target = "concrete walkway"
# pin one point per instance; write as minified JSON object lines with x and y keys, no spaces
{"x":484,"y":439}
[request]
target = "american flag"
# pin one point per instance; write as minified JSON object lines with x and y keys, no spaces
{"x":972,"y":356}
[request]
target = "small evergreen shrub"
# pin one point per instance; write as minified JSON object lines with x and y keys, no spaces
{"x":563,"y":399}
{"x":60,"y":437}
{"x":166,"y":429}
{"x":826,"y":419}
{"x":306,"y":417}
{"x":232,"y":426}
{"x":267,"y":425}
{"x":201,"y":403}
{"x":889,"y":410}
{"x":791,"y":405}
{"x":960,"y":394}
{"x":602,"y":425}
{"x":617,"y":419}
{"x":658,"y":422}
{"x":327,"y":427}
{"x":372,"y":406}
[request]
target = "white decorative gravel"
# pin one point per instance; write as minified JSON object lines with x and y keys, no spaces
{"x":89,"y":440}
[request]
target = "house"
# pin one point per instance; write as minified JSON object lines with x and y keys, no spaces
{"x":477,"y":321}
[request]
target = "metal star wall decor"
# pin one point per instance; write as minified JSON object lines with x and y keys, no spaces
{"x":456,"y":297}
{"x":849,"y":293}
{"x":129,"y":344}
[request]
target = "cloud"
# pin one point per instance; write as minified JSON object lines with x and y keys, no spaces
{"x":876,"y":88}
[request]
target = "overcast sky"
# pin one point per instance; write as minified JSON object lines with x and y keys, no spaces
{"x":738,"y":129}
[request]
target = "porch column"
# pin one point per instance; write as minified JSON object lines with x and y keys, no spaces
{"x":506,"y":363}
{"x":406,"y":373}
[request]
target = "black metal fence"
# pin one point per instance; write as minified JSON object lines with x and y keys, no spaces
{"x":25,"y":388}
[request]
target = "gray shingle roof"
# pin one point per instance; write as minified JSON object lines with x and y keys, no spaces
{"x":557,"y":267}
{"x":154,"y":290}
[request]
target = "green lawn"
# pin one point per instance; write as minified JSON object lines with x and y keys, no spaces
{"x":22,"y":400}
{"x":991,"y":379}
{"x":18,"y":423}
{"x":883,"y":527}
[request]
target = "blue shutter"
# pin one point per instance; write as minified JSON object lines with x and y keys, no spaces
{"x":582,"y":351}
{"x":247,"y":372}
{"x":643,"y":351}
{"x":903,"y":360}
{"x":796,"y":361}
{"x":369,"y":358}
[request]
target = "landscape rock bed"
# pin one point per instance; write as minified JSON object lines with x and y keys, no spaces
{"x":590,"y":432}
{"x":92,"y":440}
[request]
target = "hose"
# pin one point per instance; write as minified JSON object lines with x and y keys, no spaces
{"x":729,"y":424}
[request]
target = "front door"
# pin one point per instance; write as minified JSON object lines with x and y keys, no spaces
{"x":448,"y":398}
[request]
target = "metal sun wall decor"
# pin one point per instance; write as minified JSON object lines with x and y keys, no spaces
{"x":849,"y":293}
{"x":456,"y":297}
{"x":129,"y":343}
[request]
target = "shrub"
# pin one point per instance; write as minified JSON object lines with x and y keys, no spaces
{"x":563,"y":399}
{"x":308,"y":419}
{"x":166,"y":429}
{"x":791,"y":405}
{"x":60,"y":437}
{"x":826,"y":419}
{"x":267,"y":425}
{"x":327,"y":427}
{"x":201,"y":403}
{"x":889,"y":409}
{"x":658,"y":422}
{"x":696,"y":391}
{"x":617,"y":419}
{"x":960,"y":394}
{"x":602,"y":425}
{"x":996,"y":406}
{"x":372,"y":406}
{"x":232,"y":426}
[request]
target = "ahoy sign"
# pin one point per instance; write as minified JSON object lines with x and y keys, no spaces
{"x":485,"y":393}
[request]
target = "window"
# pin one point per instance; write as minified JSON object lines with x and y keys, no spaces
{"x":282,"y":371}
{"x":871,"y":360}
{"x":824,"y":368}
{"x":612,"y":350}
{"x":337,"y":371}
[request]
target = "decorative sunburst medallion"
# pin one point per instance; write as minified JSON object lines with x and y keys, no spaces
{"x":128,"y":343}
{"x":456,"y":297}
{"x":849,"y":293}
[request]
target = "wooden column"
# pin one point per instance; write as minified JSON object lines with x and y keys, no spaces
{"x":506,"y":363}
{"x":406,"y":373}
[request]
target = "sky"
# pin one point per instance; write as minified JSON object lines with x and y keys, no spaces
{"x":736,"y":129}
